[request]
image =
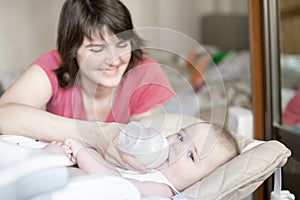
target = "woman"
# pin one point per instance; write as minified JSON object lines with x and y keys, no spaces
{"x":98,"y":74}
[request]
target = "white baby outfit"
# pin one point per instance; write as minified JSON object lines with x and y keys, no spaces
{"x":154,"y":175}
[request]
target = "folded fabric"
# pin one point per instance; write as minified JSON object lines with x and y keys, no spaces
{"x":26,"y":173}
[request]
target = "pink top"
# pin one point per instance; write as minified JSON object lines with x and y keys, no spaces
{"x":291,"y":115}
{"x":143,"y":88}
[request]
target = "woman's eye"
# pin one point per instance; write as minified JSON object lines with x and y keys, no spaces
{"x":96,"y":50}
{"x":180,"y":137}
{"x":191,"y":155}
{"x":122,"y":44}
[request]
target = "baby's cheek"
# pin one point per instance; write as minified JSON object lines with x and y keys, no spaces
{"x":170,"y":138}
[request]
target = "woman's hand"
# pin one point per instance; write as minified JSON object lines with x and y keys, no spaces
{"x":113,"y":155}
{"x":103,"y":138}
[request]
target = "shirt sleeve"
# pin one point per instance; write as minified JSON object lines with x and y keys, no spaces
{"x":291,"y":115}
{"x":50,"y":61}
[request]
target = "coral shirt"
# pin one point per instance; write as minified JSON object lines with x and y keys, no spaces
{"x":291,"y":115}
{"x":144,"y":87}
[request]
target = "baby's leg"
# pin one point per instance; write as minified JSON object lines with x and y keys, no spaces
{"x":88,"y":159}
{"x":57,"y":148}
{"x":74,"y":171}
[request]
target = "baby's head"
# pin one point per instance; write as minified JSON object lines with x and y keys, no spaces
{"x":196,"y":151}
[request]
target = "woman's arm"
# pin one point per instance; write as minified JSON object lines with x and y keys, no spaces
{"x":22,"y":113}
{"x":22,"y":109}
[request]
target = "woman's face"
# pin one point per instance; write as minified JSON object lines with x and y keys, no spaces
{"x":103,"y":60}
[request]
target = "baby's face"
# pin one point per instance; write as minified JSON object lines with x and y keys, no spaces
{"x":196,"y":140}
{"x":190,"y":148}
{"x":182,"y":143}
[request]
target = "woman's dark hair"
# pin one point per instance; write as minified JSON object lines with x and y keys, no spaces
{"x":79,"y":18}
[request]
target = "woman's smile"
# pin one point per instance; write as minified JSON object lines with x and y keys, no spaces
{"x":109,"y":71}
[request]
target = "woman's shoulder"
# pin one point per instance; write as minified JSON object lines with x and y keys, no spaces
{"x":49,"y":60}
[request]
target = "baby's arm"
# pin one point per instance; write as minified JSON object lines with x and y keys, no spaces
{"x":150,"y":188}
{"x":89,"y":160}
{"x":92,"y":162}
{"x":58,"y":148}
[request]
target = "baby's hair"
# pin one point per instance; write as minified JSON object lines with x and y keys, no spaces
{"x":223,"y":137}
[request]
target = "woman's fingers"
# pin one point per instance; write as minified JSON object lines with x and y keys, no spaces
{"x":121,"y":159}
{"x":133,"y":163}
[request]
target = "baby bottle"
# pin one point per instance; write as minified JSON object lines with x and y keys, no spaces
{"x":146,"y":144}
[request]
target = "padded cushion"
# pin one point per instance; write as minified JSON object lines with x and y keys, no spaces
{"x":242,"y":175}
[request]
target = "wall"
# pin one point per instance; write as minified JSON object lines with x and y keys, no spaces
{"x":290,"y":26}
{"x":183,"y":16}
{"x":28,"y":27}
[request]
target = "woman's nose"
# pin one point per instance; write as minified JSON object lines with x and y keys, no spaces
{"x":113,"y":58}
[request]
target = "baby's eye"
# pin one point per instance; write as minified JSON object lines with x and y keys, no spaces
{"x":180,"y":137}
{"x":191,"y":155}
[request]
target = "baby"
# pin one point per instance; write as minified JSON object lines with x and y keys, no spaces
{"x":194,"y":153}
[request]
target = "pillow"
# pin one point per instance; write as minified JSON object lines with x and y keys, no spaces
{"x":241,"y":176}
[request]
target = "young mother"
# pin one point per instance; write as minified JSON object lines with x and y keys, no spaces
{"x":98,"y":75}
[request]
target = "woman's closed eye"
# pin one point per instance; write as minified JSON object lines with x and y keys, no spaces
{"x":123,"y":44}
{"x":97,"y":48}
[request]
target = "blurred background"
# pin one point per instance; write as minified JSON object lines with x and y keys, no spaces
{"x":28,"y":27}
